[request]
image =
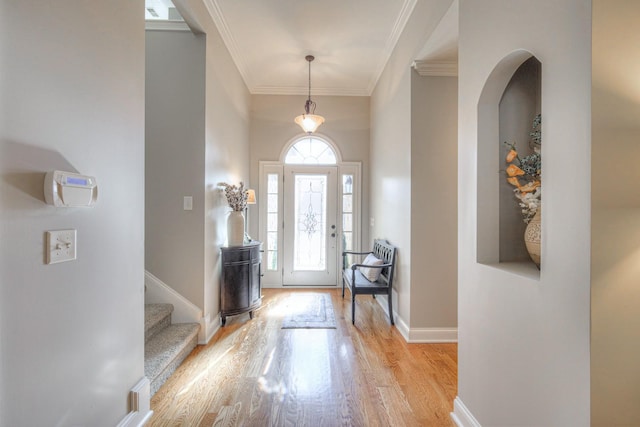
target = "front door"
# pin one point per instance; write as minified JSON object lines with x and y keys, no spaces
{"x":310,"y":234}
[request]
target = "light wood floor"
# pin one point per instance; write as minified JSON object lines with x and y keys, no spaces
{"x":253,"y":373}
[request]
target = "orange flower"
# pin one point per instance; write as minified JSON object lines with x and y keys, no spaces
{"x":513,"y":170}
{"x":529,"y":187}
{"x":511,"y":155}
{"x":514,"y":181}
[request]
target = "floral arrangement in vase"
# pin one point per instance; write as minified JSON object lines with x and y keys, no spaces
{"x":524,"y":173}
{"x":236,"y":196}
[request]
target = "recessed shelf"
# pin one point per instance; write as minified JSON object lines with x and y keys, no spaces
{"x":510,"y":100}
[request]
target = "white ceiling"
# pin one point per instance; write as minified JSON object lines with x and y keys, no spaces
{"x":351,"y":40}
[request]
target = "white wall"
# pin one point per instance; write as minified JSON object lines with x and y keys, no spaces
{"x":226,"y":153}
{"x":347,"y":125}
{"x":390,"y":203}
{"x":174,"y":153}
{"x":615,"y":227}
{"x":434,"y":190}
{"x":72,"y":84}
{"x":524,"y":341}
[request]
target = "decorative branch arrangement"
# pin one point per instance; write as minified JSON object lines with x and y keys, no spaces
{"x":236,"y":196}
{"x":524,"y":173}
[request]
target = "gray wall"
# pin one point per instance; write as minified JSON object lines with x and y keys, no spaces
{"x":174,"y":160}
{"x":72,"y":84}
{"x":434,"y":201}
{"x":204,"y":141}
{"x":615,"y":226}
{"x":391,"y":156}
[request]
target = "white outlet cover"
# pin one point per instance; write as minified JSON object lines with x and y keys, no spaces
{"x":61,"y":246}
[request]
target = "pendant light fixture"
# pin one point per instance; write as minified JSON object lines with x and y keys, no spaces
{"x":309,"y":121}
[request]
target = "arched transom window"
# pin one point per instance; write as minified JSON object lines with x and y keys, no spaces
{"x":310,"y":151}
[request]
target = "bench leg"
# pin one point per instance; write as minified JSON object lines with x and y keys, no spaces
{"x":343,"y":288}
{"x":390,"y":309}
{"x":353,"y":307}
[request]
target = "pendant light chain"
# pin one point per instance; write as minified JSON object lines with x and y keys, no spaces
{"x":309,"y":121}
{"x":309,"y":80}
{"x":309,"y":105}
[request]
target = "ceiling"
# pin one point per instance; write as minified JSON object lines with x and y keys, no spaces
{"x":350,"y":39}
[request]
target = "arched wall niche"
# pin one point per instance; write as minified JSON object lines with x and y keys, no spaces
{"x":518,"y":107}
{"x":510,"y":99}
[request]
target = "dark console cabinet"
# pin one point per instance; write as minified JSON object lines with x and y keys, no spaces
{"x":240,"y":280}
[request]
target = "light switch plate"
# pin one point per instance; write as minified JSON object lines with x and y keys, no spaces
{"x":188,"y":203}
{"x":61,"y":246}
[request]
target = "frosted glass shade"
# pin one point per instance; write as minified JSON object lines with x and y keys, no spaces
{"x":309,"y":122}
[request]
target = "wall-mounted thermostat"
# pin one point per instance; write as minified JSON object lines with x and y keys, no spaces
{"x":67,"y":189}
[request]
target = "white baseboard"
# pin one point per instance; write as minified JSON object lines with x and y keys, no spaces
{"x":433,"y":335}
{"x":419,"y":335}
{"x":462,"y":416}
{"x":184,"y":311}
{"x":139,"y":405}
{"x":401,"y":325}
{"x":211,"y":326}
{"x":280,"y":286}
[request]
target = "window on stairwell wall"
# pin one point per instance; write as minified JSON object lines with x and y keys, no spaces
{"x":161,"y":10}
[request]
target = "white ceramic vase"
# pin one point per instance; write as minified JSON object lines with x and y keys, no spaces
{"x":532,"y":237}
{"x":235,"y":228}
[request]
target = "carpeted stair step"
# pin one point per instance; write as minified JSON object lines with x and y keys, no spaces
{"x":156,"y":318}
{"x":166,"y":350}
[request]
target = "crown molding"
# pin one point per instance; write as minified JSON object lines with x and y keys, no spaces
{"x":436,"y":68}
{"x":281,"y":90}
{"x":221,"y":24}
{"x":398,"y":27}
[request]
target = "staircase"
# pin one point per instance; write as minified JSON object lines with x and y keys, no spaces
{"x":166,"y":345}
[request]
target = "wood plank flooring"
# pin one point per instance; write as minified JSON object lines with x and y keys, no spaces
{"x":253,"y":373}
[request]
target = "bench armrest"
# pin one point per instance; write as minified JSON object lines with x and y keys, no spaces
{"x":356,"y":253}
{"x":354,"y":266}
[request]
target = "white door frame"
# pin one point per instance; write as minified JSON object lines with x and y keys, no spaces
{"x":272,"y":278}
